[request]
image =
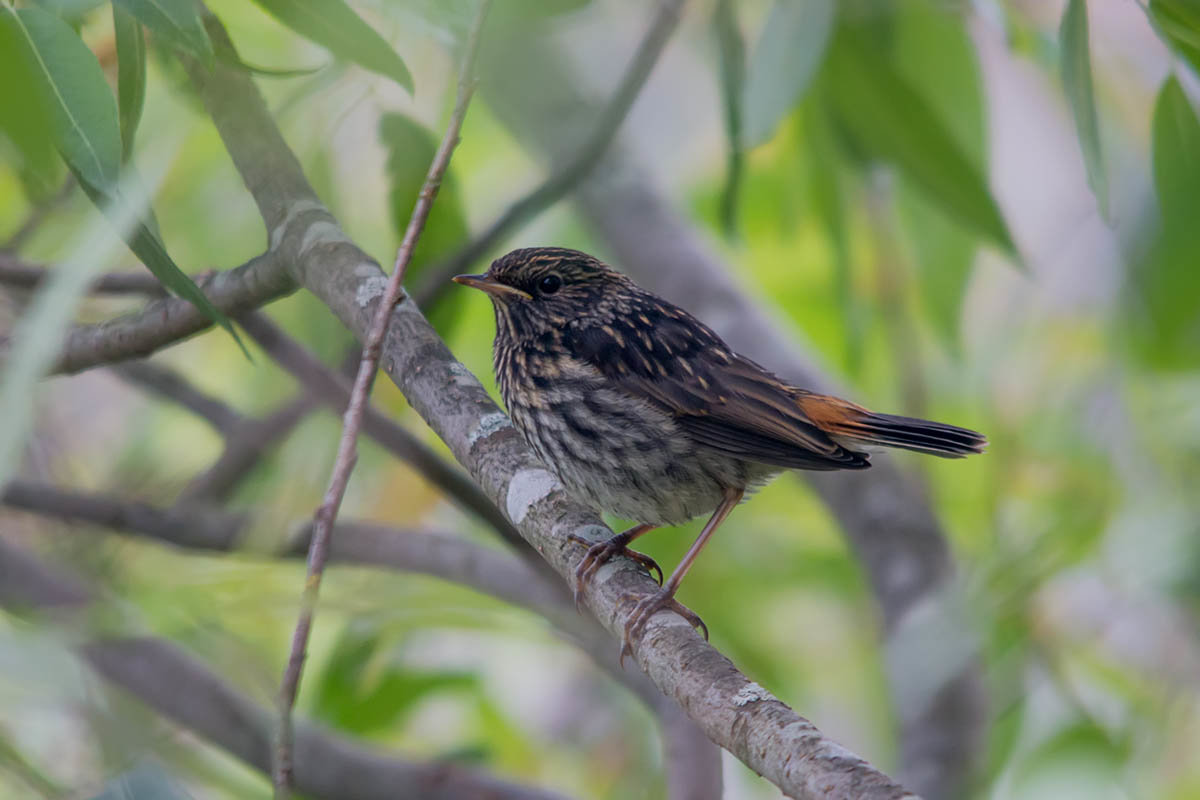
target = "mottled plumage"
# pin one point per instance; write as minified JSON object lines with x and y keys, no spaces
{"x":641,"y":410}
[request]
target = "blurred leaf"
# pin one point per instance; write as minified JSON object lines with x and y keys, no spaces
{"x":176,"y":22}
{"x":147,"y":782}
{"x":1165,"y":282}
{"x":829,"y":205}
{"x":356,"y":697}
{"x":22,"y":118}
{"x":933,"y":51}
{"x":783,"y":62}
{"x":891,"y":120}
{"x":1077,"y":80}
{"x":333,"y":25}
{"x":86,"y":131}
{"x":131,"y":75}
{"x":1176,"y":155}
{"x":1083,"y":741}
{"x":1179,"y":21}
{"x":72,"y":89}
{"x":733,"y":77}
{"x":411,"y":148}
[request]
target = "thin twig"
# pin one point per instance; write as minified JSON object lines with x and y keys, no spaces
{"x":170,"y":385}
{"x":692,"y":762}
{"x":181,"y":688}
{"x":22,"y":275}
{"x":245,"y":445}
{"x":347,"y":449}
{"x":563,"y":179}
{"x":332,"y":389}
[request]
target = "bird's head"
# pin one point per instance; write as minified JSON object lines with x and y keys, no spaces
{"x":540,"y":287}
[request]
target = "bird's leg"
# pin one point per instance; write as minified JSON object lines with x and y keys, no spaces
{"x":599,"y":554}
{"x":665,"y":598}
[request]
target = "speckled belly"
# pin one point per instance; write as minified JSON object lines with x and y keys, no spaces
{"x":625,"y":457}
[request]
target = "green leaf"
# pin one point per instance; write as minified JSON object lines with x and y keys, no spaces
{"x":733,"y":78}
{"x":131,"y":75}
{"x":22,"y":118}
{"x":360,"y":691}
{"x":71,"y":86}
{"x":892,"y":121}
{"x":1076,"y":67}
{"x":85,"y":129}
{"x":177,"y":22}
{"x":1164,"y":290}
{"x":934,"y":53}
{"x":333,"y":25}
{"x":783,"y":62}
{"x":1176,"y":156}
{"x":830,"y":207}
{"x":1179,"y":22}
{"x":410,"y":148}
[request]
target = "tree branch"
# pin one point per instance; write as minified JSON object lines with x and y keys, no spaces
{"x":246,"y":443}
{"x":883,"y":512}
{"x":170,"y":319}
{"x":22,"y":275}
{"x":181,"y":688}
{"x":347,"y":454}
{"x":692,"y":762}
{"x":576,"y":166}
{"x":332,"y":389}
{"x":170,"y":385}
{"x":735,"y":713}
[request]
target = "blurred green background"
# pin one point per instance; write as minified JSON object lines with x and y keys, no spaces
{"x":859,"y":207}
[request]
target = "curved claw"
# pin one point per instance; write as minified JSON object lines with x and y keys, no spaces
{"x":601,"y":553}
{"x":646,"y":608}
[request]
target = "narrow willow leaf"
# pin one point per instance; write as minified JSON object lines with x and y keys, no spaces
{"x":933,"y":51}
{"x":131,"y":75}
{"x":333,"y":25}
{"x":72,"y":89}
{"x":1165,"y":283}
{"x":783,"y":62}
{"x":1176,"y":155}
{"x":829,"y":205}
{"x":889,"y":119}
{"x":22,"y":118}
{"x":1179,"y":22}
{"x":1076,"y":67}
{"x":85,"y":129}
{"x":177,"y":22}
{"x":733,"y":80}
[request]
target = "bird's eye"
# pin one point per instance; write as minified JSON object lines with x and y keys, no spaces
{"x":549,"y":284}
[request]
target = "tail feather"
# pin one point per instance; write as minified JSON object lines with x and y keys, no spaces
{"x":910,"y":433}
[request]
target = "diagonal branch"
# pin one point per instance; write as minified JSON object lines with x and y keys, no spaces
{"x":347,"y":454}
{"x":734,"y":712}
{"x":883,"y":512}
{"x":692,"y":762}
{"x":247,"y":442}
{"x":181,"y":688}
{"x":332,"y":389}
{"x":576,"y":166}
{"x":170,"y":385}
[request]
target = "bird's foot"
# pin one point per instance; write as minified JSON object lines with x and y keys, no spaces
{"x":647,"y":607}
{"x":601,"y":553}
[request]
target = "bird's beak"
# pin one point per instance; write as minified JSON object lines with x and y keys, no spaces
{"x":494,"y":288}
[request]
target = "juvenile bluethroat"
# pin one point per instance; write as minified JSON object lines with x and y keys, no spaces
{"x":642,"y":411}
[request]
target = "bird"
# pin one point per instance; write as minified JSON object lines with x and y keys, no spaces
{"x":642,"y":411}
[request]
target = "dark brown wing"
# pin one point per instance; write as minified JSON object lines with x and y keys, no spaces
{"x":721,"y":400}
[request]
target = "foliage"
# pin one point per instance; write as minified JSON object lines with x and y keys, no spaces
{"x":894,"y":197}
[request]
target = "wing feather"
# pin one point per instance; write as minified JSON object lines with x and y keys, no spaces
{"x":723,"y":401}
